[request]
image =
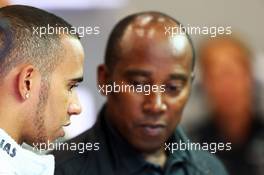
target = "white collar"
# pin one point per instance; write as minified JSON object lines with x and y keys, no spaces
{"x":23,"y":161}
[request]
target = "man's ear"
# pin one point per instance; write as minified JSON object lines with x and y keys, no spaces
{"x":102,"y":78}
{"x":27,"y":79}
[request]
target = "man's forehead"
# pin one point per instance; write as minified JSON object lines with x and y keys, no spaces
{"x":166,"y":69}
{"x":69,"y":42}
{"x":72,"y":58}
{"x":146,"y":70}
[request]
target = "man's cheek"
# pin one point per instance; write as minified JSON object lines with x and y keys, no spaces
{"x":172,"y":120}
{"x":178,"y":103}
{"x":134,"y":98}
{"x":65,"y":100}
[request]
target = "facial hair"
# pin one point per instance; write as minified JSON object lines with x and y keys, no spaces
{"x":41,"y":136}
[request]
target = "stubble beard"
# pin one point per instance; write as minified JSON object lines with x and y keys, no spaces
{"x":39,"y":122}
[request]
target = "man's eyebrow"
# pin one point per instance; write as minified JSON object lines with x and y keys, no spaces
{"x":137,"y":72}
{"x":77,"y":80}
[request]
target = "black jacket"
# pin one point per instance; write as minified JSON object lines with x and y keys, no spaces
{"x":116,"y":157}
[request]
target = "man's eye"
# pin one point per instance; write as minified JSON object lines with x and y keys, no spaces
{"x":174,"y":88}
{"x":73,"y":86}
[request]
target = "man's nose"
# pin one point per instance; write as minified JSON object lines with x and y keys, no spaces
{"x":154,"y":104}
{"x":74,"y":108}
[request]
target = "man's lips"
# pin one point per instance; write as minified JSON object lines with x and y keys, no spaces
{"x":152,"y":129}
{"x":67,"y":124}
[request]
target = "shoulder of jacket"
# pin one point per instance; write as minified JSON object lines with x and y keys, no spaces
{"x":209,"y":163}
{"x":6,"y":168}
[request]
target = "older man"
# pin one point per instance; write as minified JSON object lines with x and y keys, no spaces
{"x":147,"y":79}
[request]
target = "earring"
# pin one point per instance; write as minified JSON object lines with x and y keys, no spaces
{"x":27,"y":95}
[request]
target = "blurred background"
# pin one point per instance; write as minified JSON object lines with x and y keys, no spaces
{"x":244,"y":17}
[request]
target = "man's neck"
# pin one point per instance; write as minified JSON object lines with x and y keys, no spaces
{"x":158,"y":158}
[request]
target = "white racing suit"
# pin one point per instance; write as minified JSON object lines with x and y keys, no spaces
{"x":14,"y":160}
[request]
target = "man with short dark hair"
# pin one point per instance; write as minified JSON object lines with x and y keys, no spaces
{"x":136,"y":125}
{"x":38,"y":75}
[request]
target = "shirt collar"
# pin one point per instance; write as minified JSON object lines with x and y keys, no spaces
{"x":18,"y":157}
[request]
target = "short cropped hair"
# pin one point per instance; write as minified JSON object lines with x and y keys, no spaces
{"x":112,"y":47}
{"x":19,"y":44}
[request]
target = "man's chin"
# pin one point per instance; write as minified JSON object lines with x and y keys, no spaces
{"x":61,"y":133}
{"x":148,"y":147}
